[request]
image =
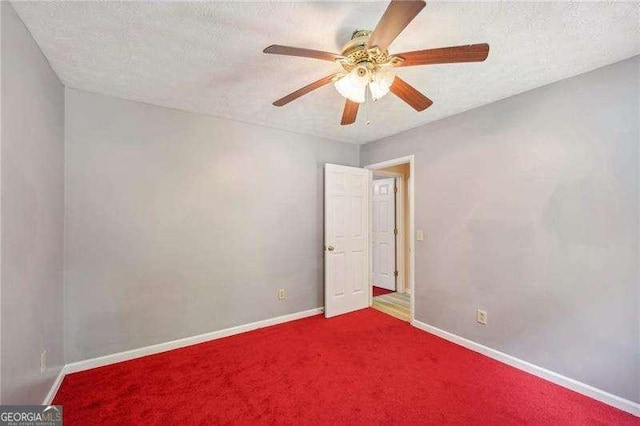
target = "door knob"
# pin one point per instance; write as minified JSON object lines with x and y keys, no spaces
{"x":330,"y":248}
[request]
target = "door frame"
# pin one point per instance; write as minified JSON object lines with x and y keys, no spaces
{"x":412,"y":173}
{"x":400,"y":224}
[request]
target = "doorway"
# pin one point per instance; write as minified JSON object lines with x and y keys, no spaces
{"x":391,"y":226}
{"x":347,"y":230}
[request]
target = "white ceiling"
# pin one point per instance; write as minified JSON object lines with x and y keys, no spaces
{"x":207,"y":57}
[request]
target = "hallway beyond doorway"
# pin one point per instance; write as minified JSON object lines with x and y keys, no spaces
{"x":395,"y":304}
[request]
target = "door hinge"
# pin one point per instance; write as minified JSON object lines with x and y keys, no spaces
{"x":395,"y":231}
{"x":395,"y":274}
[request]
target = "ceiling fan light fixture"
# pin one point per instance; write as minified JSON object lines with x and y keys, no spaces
{"x":365,"y":61}
{"x":353,"y":85}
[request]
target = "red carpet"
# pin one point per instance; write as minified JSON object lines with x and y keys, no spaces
{"x":363,"y":368}
{"x":378,"y":291}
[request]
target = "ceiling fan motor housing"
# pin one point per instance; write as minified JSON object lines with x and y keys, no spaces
{"x":356,"y":53}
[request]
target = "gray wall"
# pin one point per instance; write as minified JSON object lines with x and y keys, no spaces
{"x":180,"y":224}
{"x":32,"y":182}
{"x":530,"y":211}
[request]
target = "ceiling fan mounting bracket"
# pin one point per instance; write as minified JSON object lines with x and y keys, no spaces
{"x":360,"y":33}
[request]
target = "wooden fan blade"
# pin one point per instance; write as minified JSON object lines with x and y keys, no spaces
{"x":407,"y":93}
{"x":350,"y":112}
{"x":303,"y":91}
{"x":299,"y":51}
{"x":446,"y":55}
{"x":395,"y":19}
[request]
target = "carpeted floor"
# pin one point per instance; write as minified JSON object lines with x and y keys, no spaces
{"x":361,"y":368}
{"x":394,"y":304}
{"x":379,"y":291}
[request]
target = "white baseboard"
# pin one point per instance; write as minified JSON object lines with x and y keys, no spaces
{"x":187,"y":341}
{"x":167,"y":346}
{"x":588,"y":390}
{"x":54,"y":387}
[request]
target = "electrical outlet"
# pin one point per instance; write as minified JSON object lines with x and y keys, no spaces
{"x":43,"y":362}
{"x":281,"y":294}
{"x":482,"y":317}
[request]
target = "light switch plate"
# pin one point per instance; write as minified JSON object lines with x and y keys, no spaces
{"x":419,"y":235}
{"x":481,"y":317}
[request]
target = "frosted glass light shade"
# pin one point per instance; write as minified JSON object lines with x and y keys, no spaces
{"x":352,"y":86}
{"x":380,"y":83}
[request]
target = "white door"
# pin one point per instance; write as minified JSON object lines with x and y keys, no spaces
{"x":346,"y":237}
{"x":383,"y":240}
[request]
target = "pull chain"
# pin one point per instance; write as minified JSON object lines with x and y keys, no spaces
{"x":366,"y":112}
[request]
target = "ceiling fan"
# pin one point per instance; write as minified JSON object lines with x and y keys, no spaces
{"x":366,"y":62}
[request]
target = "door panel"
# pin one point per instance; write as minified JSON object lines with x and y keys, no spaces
{"x":346,"y":239}
{"x":337,"y":275}
{"x":382,"y":237}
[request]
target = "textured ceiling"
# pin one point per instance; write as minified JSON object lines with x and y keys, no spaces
{"x":207,"y":57}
